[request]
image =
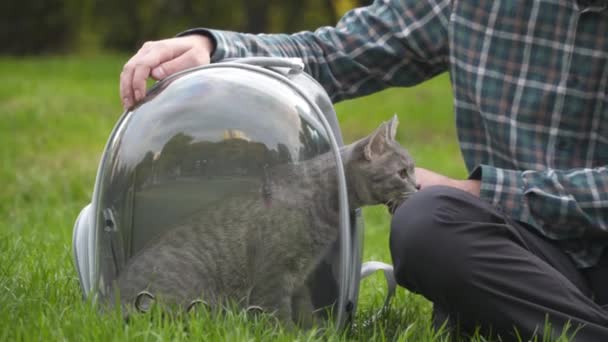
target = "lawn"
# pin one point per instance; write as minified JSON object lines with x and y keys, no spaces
{"x":56,"y":114}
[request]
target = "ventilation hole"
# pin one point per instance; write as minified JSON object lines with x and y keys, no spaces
{"x":350,"y":306}
{"x":197,"y":303}
{"x":144,"y":301}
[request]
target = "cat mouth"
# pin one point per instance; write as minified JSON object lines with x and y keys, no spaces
{"x":394,"y":203}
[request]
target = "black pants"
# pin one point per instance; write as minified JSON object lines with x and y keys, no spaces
{"x":481,"y":269}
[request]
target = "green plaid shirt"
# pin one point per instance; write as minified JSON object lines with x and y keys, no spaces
{"x":530,"y":82}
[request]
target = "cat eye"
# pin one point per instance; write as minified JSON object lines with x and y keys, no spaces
{"x":403,"y":173}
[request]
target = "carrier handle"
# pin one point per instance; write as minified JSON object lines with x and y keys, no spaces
{"x":295,"y":65}
{"x":370,"y":267}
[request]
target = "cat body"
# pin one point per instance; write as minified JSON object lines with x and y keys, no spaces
{"x":258,"y":250}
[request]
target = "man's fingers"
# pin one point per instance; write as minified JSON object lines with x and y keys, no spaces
{"x":140,"y":75}
{"x":126,"y":76}
{"x":160,"y":72}
{"x":126,"y":94}
{"x":159,"y":60}
{"x":137,"y":69}
{"x":143,"y":65}
{"x":184,"y":61}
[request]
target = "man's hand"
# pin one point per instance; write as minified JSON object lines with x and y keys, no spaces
{"x":160,"y":59}
{"x":428,"y":178}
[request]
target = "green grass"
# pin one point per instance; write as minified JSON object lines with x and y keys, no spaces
{"x":55,"y":116}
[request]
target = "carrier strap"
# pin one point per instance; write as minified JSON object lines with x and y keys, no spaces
{"x":371,"y":267}
{"x":294,"y":65}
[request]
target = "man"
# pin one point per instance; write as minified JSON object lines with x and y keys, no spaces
{"x":523,"y":239}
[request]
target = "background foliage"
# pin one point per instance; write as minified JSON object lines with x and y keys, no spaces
{"x":56,"y":115}
{"x":57,"y":109}
{"x":59,"y":26}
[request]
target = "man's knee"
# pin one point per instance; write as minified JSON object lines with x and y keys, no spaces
{"x":426,"y":214}
{"x":426,"y":237}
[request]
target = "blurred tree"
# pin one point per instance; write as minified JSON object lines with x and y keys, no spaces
{"x":303,"y":15}
{"x":125,"y":25}
{"x":361,"y":3}
{"x":38,"y":26}
{"x":331,"y":10}
{"x":257,"y":15}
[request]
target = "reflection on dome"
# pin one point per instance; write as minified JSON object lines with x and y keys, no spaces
{"x":192,"y":149}
{"x":235,"y":134}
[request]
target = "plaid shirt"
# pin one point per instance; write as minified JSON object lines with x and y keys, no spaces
{"x":530,"y":82}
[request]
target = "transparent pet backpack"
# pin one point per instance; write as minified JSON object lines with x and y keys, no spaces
{"x":203,"y":138}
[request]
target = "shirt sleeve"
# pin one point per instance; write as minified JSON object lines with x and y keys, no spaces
{"x":389,"y":43}
{"x":563,"y":204}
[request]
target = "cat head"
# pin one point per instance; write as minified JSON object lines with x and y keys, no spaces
{"x":379,"y":170}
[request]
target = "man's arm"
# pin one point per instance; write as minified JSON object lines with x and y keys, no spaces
{"x":426,"y":178}
{"x":564,"y":204}
{"x":390,"y":43}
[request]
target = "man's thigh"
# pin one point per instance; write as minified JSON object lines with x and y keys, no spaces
{"x":441,"y":218}
{"x":469,"y":259}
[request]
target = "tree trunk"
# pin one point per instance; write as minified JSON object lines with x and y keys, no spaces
{"x":293,"y":15}
{"x":257,"y":15}
{"x":331,"y":10}
{"x":130,"y":11}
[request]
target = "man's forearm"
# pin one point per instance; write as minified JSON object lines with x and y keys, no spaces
{"x":370,"y":48}
{"x":566,"y":204}
{"x":427,"y":178}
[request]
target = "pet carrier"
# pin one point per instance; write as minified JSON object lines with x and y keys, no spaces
{"x":211,"y":159}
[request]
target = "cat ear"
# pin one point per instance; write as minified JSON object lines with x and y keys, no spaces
{"x":376,"y":143}
{"x":392,"y":127}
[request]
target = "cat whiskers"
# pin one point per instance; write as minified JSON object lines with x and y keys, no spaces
{"x":394,"y":203}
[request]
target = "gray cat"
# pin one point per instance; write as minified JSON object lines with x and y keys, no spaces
{"x":259,"y":250}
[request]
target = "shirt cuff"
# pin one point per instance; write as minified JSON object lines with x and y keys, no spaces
{"x":504,"y":189}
